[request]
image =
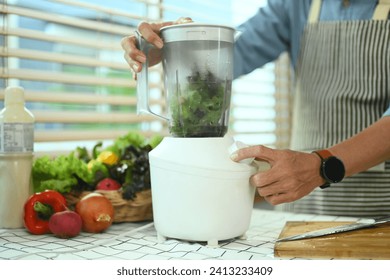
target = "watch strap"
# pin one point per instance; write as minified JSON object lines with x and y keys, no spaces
{"x":324,"y":186}
{"x":323,"y":154}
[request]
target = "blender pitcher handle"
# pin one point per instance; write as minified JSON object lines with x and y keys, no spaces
{"x":143,"y":81}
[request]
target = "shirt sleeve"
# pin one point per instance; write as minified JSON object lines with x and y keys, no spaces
{"x":274,"y":29}
{"x":387,"y":113}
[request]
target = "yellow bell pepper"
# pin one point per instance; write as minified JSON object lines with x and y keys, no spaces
{"x":107,"y":157}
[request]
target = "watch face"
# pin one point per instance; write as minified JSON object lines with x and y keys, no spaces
{"x":333,"y":169}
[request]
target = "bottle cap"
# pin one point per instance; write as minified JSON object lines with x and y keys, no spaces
{"x":13,"y":95}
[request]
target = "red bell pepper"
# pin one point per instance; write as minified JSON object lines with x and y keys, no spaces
{"x":39,"y":208}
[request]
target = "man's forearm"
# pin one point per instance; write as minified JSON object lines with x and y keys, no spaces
{"x":366,"y":149}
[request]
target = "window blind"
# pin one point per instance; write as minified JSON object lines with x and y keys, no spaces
{"x":67,"y":56}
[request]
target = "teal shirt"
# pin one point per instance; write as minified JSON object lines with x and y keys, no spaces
{"x":278,"y":27}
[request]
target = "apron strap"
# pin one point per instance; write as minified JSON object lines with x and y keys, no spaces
{"x":314,"y":12}
{"x":382,"y":10}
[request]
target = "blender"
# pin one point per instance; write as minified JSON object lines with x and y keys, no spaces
{"x":198,"y":192}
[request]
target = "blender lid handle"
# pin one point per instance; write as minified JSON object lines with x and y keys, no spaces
{"x":142,"y":79}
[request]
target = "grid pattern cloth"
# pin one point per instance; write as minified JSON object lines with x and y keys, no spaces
{"x":138,"y":241}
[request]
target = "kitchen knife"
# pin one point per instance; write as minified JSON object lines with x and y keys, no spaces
{"x":366,"y":223}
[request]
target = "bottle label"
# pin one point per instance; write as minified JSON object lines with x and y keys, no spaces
{"x":16,"y":137}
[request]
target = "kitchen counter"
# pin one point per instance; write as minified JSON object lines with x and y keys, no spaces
{"x":139,"y":241}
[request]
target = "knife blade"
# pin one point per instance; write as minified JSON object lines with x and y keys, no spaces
{"x":367,"y":223}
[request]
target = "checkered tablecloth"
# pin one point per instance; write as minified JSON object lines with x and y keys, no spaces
{"x":138,"y":241}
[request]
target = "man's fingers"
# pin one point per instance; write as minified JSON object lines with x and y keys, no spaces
{"x":183,"y":20}
{"x":259,"y":152}
{"x":277,"y":198}
{"x":133,"y":56}
{"x":150,"y":32}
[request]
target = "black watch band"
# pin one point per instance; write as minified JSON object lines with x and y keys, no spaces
{"x":332,"y":169}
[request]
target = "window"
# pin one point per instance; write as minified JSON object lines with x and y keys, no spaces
{"x":67,"y":56}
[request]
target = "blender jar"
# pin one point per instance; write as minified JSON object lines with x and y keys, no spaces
{"x":198,"y":72}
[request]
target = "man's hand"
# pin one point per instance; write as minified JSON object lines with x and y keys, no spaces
{"x":292,"y":175}
{"x":151,"y":33}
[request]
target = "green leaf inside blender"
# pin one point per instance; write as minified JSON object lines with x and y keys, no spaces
{"x":200,"y":109}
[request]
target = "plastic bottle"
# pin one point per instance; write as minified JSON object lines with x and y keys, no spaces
{"x":16,"y":156}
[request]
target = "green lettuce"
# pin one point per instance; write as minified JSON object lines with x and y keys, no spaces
{"x":63,"y":173}
{"x":199,"y":109}
{"x":66,"y":173}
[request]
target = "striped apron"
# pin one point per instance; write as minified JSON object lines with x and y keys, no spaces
{"x":343,"y":86}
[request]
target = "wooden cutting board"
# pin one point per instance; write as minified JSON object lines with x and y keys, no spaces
{"x":370,"y":243}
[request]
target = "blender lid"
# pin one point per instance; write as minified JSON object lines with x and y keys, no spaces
{"x":197,"y":31}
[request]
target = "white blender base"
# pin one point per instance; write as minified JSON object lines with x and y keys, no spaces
{"x":197,"y":197}
{"x":210,"y":243}
{"x":161,"y":238}
{"x":243,"y":237}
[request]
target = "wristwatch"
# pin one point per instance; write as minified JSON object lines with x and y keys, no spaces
{"x":332,"y":168}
